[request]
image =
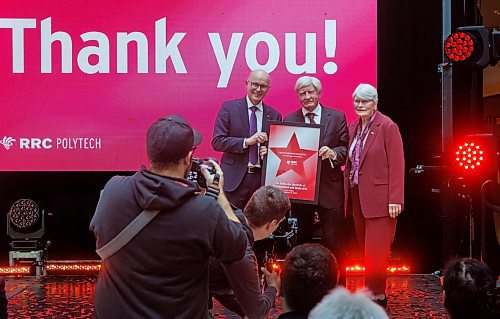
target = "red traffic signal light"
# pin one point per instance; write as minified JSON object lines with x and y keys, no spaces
{"x":470,"y":45}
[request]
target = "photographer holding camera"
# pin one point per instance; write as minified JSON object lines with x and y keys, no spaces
{"x":162,"y":272}
{"x":237,"y":286}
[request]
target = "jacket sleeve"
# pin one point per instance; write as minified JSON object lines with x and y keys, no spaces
{"x":230,"y":239}
{"x":341,"y":149}
{"x":222,"y":141}
{"x":396,"y":164}
{"x":243,"y":278}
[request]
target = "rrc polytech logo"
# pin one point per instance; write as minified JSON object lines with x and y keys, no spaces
{"x":7,"y":142}
{"x":47,"y":143}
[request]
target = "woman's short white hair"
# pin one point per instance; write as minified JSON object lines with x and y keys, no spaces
{"x":366,"y":92}
{"x":304,"y":81}
{"x":341,"y":304}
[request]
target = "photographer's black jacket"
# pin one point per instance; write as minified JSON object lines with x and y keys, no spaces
{"x":163,"y":271}
{"x":237,"y":286}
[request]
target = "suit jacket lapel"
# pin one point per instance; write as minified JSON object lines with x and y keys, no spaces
{"x":244,"y":114}
{"x":352,"y":132}
{"x":299,"y":117}
{"x":325,"y":118}
{"x":371,"y":137}
{"x":266,"y":116}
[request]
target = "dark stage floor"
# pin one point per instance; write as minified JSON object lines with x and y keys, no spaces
{"x":410,"y":296}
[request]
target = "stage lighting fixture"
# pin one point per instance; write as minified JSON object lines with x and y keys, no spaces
{"x":359,"y":269}
{"x":25,"y":224}
{"x":72,"y":267}
{"x":470,"y":156}
{"x":15,"y":271}
{"x":471,"y":45}
{"x":459,"y":46}
{"x":24,"y":213}
{"x":477,"y":156}
{"x":26,"y":227}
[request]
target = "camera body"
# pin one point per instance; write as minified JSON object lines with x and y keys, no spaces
{"x":195,"y":174}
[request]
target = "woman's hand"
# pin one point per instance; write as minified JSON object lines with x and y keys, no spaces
{"x":395,"y":210}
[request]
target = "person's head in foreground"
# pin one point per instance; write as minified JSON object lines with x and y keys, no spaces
{"x":470,"y":290}
{"x":340,"y":303}
{"x":309,"y":272}
{"x":170,"y":144}
{"x":265,"y":210}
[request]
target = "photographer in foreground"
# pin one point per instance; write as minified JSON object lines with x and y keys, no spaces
{"x":237,"y":285}
{"x":162,"y":272}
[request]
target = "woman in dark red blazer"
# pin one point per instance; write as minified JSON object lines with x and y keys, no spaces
{"x":375,"y":180}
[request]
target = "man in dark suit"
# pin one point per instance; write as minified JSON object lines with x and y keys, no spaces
{"x":240,"y":132}
{"x":333,"y":152}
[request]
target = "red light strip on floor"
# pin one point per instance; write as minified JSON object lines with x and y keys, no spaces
{"x":399,"y":270}
{"x":14,"y":270}
{"x":355,"y":269}
{"x":358,"y":269}
{"x":69,"y":266}
{"x":73,"y":267}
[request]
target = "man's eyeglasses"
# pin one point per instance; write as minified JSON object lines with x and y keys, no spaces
{"x":362,"y":102}
{"x":256,"y":85}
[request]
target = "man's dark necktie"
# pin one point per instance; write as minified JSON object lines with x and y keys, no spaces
{"x":311,"y":115}
{"x":253,"y":155}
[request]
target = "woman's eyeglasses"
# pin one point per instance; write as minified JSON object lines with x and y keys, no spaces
{"x":362,"y":102}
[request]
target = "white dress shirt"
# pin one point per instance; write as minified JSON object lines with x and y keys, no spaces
{"x":317,"y":114}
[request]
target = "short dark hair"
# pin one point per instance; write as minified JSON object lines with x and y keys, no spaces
{"x":268,"y":203}
{"x":470,"y":291}
{"x":310,"y":271}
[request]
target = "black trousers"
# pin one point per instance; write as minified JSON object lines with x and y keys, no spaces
{"x":333,"y":229}
{"x":241,"y":195}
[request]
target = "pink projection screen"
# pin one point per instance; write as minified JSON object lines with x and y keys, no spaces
{"x":81,"y":81}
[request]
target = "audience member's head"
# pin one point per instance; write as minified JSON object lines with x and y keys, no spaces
{"x":470,"y":291}
{"x":170,"y":143}
{"x":309,"y":272}
{"x":341,"y":304}
{"x":265,"y":210}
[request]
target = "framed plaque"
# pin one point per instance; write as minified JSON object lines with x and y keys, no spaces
{"x":292,"y":162}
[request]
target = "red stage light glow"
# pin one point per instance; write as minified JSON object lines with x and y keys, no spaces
{"x":470,"y":156}
{"x":459,"y":46}
{"x":6,"y":271}
{"x":73,"y":267}
{"x":359,"y":269}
